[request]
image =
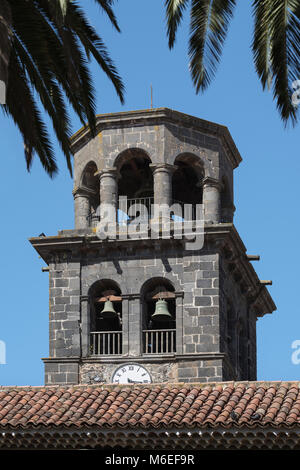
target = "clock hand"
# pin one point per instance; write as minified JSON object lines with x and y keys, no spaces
{"x":133,"y":381}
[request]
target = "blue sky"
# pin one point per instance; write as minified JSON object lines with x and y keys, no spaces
{"x":267,"y":189}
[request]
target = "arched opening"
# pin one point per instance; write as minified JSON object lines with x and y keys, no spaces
{"x":159,"y":317}
{"x":187,"y":179}
{"x":136,"y":180}
{"x":187,"y":184}
{"x":105,"y":302}
{"x":135,"y":184}
{"x":90,"y":184}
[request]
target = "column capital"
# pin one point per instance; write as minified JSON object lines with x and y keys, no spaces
{"x":81,"y":191}
{"x":156,"y":167}
{"x":208,"y":181}
{"x":112,"y":172}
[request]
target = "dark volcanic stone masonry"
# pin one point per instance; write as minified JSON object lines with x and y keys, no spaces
{"x":212,"y":291}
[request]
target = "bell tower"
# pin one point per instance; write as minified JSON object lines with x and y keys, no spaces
{"x":154,"y":283}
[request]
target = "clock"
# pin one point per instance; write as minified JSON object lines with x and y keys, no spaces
{"x":131,"y":374}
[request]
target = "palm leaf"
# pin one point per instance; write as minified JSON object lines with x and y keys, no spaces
{"x":174,"y":14}
{"x":261,"y":45}
{"x":93,"y":44}
{"x":51,"y":49}
{"x":106,"y":6}
{"x":209,"y":25}
{"x":63,"y":6}
{"x":284,"y":54}
{"x":51,"y":98}
{"x":24,"y":111}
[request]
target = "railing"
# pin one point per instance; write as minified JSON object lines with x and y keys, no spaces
{"x":186,"y":213}
{"x":142,"y":205}
{"x":105,"y":343}
{"x":124,"y":216}
{"x":159,"y":341}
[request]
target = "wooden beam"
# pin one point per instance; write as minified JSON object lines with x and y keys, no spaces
{"x":112,"y":298}
{"x":160,"y":295}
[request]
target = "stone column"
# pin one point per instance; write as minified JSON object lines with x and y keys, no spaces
{"x":108,"y":186}
{"x":162,"y":181}
{"x":211,"y":200}
{"x":179,"y":323}
{"x":82,"y":208}
{"x":125,"y":325}
{"x":108,"y":190}
{"x":85,"y":326}
{"x":162,"y":186}
{"x":134,"y":326}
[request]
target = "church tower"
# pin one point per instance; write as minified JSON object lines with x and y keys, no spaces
{"x":142,"y":295}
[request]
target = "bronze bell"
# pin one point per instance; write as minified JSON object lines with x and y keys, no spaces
{"x":161,"y":312}
{"x":108,"y":310}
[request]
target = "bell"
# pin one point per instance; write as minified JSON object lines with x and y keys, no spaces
{"x":108,"y":310}
{"x":161,"y":312}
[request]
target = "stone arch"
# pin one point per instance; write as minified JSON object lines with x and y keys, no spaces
{"x":135,"y":174}
{"x":153,"y":281}
{"x":89,"y":183}
{"x":88,"y":174}
{"x":152,"y":290}
{"x":159,"y":330}
{"x":104,"y":284}
{"x":129,"y":153}
{"x":194,"y":157}
{"x":100,"y":291}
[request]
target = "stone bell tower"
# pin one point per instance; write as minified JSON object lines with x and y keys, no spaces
{"x":139,"y":306}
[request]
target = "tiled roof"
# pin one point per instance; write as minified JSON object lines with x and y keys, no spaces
{"x":163,"y":406}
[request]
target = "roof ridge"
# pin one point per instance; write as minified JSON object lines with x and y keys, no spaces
{"x":152,"y":385}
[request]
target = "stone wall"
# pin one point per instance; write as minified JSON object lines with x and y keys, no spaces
{"x":200,"y":307}
{"x":163,"y":370}
{"x":64,"y":304}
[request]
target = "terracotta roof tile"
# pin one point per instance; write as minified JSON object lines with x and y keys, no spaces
{"x":228,"y":404}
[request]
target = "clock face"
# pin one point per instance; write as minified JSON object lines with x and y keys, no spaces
{"x":131,"y":374}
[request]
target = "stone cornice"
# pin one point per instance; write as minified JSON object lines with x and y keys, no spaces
{"x":225,"y":236}
{"x":158,"y":358}
{"x":157,"y":116}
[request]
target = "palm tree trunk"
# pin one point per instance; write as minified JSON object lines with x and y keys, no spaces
{"x":5,"y":46}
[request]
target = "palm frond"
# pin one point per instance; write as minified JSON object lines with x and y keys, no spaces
{"x":24,"y":111}
{"x":80,"y":75}
{"x":174,"y":14}
{"x":209,"y":24}
{"x":93,"y":44}
{"x":52,"y":45}
{"x":284,"y":54}
{"x":63,"y":6}
{"x":106,"y":6}
{"x":262,"y":41}
{"x":5,"y":20}
{"x":51,"y":98}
